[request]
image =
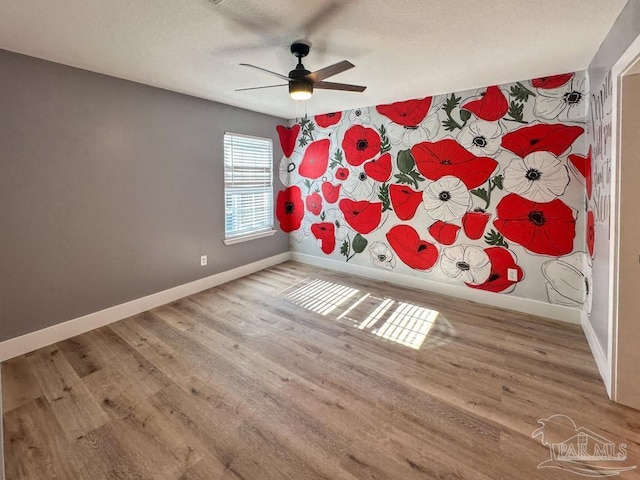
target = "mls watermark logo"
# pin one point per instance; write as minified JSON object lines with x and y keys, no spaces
{"x":579,"y":450}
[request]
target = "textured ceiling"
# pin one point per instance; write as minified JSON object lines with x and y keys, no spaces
{"x":401,"y":48}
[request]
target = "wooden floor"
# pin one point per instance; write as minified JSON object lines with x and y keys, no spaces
{"x":301,"y":373}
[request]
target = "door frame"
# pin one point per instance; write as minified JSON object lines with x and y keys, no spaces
{"x":628,"y":59}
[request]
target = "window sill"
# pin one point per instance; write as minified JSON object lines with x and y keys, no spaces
{"x":247,"y":238}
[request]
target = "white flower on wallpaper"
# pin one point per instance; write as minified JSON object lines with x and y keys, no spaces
{"x":446,"y":199}
{"x":360,"y":116}
{"x":467,"y":263}
{"x":285,"y":171}
{"x":335,"y":216}
{"x":409,"y":136}
{"x":565,"y":103}
{"x":358,"y":185}
{"x":303,"y":232}
{"x":540,"y":177}
{"x":481,"y":138}
{"x":569,"y":280}
{"x":382,"y":256}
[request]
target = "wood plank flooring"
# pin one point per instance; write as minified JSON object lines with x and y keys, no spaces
{"x":301,"y":373}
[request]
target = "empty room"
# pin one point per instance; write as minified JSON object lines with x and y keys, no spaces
{"x":330,"y":239}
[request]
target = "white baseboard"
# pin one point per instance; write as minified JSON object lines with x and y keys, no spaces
{"x":534,"y":307}
{"x":597,"y":352}
{"x":32,"y":341}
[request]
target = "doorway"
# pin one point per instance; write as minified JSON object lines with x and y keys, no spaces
{"x":624,"y":312}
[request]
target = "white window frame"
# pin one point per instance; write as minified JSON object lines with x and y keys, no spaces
{"x":266,"y":228}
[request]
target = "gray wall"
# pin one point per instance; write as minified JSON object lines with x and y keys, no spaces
{"x":624,"y":31}
{"x":109,"y":191}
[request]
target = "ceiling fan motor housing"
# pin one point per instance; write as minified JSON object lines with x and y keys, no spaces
{"x":300,"y":50}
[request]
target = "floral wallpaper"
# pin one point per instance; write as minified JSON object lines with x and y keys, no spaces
{"x":486,"y":188}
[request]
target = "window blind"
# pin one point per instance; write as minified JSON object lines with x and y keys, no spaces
{"x":248,"y":184}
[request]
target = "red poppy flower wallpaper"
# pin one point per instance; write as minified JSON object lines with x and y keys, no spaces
{"x":444,"y":233}
{"x":405,"y":201}
{"x":491,"y":106}
{"x":314,"y":203}
{"x":288,"y":137}
{"x":544,"y":228}
{"x":583,"y":164}
{"x":483,"y":192}
{"x":502,"y":260}
{"x":360,"y":144}
{"x":411,"y":249}
{"x":328,"y":119}
{"x":409,"y":113}
{"x":290,"y":209}
{"x":326,"y":233}
{"x":342,"y":173}
{"x":554,"y":81}
{"x":474,"y":223}
{"x":315,"y":159}
{"x":330,"y":192}
{"x":362,"y":216}
{"x":379,"y":169}
{"x":556,"y":139}
{"x":435,"y":160}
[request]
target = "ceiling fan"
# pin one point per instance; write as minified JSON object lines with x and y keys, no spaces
{"x":301,"y":81}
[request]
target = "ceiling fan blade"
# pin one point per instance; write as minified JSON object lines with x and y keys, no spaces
{"x":257,"y":88}
{"x":258,"y":22}
{"x":329,"y":71}
{"x":283,"y":77}
{"x":339,"y":86}
{"x":321,"y":17}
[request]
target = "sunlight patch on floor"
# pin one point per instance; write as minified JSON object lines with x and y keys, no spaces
{"x":322,"y":297}
{"x":408,"y":325}
{"x":393,"y":320}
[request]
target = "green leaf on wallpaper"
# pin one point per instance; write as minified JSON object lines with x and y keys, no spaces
{"x":481,"y":193}
{"x":450,"y":125}
{"x":498,"y":181}
{"x":323,"y":216}
{"x":385,"y":146}
{"x":307,"y":184}
{"x":495,"y":238}
{"x":451,"y":103}
{"x":344,"y":248}
{"x":521,"y":93}
{"x":307,"y":127}
{"x":411,"y":178}
{"x":405,"y":161}
{"x":337,"y":159}
{"x":359,"y":243}
{"x":383,"y":195}
{"x":516,"y":112}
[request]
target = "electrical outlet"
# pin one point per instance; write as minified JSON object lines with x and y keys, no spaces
{"x":512,"y":274}
{"x":203,"y":260}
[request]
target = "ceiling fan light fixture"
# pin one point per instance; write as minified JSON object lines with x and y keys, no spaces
{"x":300,"y":90}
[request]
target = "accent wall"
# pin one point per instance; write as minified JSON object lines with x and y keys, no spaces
{"x":484,"y":189}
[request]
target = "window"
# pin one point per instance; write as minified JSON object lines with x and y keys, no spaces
{"x":248,"y":187}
